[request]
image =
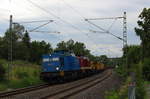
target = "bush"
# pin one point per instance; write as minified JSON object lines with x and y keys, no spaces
{"x":121,"y":71}
{"x":112,"y":95}
{"x":2,"y":72}
{"x":140,"y":89}
{"x":22,"y":74}
{"x":146,"y":69}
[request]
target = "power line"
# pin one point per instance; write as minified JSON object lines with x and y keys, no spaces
{"x":35,"y":21}
{"x":39,"y":26}
{"x":47,"y":31}
{"x":36,"y":28}
{"x":58,"y":17}
{"x":80,"y":16}
{"x":53,"y":15}
{"x":112,"y":24}
{"x":103,"y":30}
{"x":73,"y":9}
{"x":61,"y":18}
{"x":96,"y":25}
{"x":105,"y":18}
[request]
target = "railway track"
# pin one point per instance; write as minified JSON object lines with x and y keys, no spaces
{"x":8,"y":94}
{"x":73,"y":90}
{"x":60,"y":91}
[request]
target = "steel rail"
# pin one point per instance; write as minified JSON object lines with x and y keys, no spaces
{"x":22,"y":90}
{"x":87,"y":87}
{"x":77,"y":86}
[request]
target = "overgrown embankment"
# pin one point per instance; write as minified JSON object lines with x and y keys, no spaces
{"x":21,"y":74}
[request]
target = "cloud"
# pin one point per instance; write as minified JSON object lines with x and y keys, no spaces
{"x":70,"y":22}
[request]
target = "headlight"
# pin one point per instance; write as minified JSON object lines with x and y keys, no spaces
{"x":57,"y":68}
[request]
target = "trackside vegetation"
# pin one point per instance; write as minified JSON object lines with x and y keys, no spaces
{"x":22,"y":74}
{"x":120,"y":93}
{"x":138,"y":60}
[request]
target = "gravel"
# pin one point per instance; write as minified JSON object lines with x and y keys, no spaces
{"x":98,"y":91}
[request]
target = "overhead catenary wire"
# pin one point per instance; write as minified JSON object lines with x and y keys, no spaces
{"x":96,"y":26}
{"x":51,"y":14}
{"x":46,"y":31}
{"x":103,"y":30}
{"x":105,"y":18}
{"x":26,"y":22}
{"x":112,"y":24}
{"x":76,"y":11}
{"x":73,"y":9}
{"x":39,"y":26}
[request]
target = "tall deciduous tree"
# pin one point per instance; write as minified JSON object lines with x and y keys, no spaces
{"x":26,"y":39}
{"x":144,"y":31}
{"x":38,"y":49}
{"x":2,"y":72}
{"x":61,"y":46}
{"x":12,"y":38}
{"x":77,"y":47}
{"x":104,"y":59}
{"x":133,"y":55}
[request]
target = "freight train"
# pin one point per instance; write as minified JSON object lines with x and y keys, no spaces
{"x":65,"y":65}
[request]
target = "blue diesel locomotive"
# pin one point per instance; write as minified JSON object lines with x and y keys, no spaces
{"x":59,"y":64}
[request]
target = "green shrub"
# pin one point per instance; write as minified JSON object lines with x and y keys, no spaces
{"x":121,"y":71}
{"x":146,"y":69}
{"x":140,"y":89}
{"x":2,"y":72}
{"x":112,"y":95}
{"x":22,"y":74}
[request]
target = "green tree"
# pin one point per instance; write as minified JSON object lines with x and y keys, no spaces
{"x":2,"y":72}
{"x":133,"y":54}
{"x":144,"y":31}
{"x":38,"y":49}
{"x":70,"y":45}
{"x":26,"y":39}
{"x":77,"y":47}
{"x":12,"y":38}
{"x":104,"y":59}
{"x":22,"y":52}
{"x":80,"y":49}
{"x":61,"y":46}
{"x":25,"y":46}
{"x":146,"y":68}
{"x":140,"y":88}
{"x":1,"y":47}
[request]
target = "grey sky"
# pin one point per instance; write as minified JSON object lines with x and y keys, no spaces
{"x":23,"y":10}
